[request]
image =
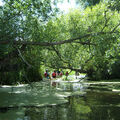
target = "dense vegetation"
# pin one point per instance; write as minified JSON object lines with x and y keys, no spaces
{"x":33,"y":37}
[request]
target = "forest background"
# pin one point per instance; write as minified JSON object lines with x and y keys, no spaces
{"x":35,"y":34}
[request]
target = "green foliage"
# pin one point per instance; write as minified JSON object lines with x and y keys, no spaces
{"x":25,"y":21}
{"x":92,"y":58}
{"x":97,"y":29}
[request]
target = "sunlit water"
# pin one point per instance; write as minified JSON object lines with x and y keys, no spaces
{"x":59,"y":101}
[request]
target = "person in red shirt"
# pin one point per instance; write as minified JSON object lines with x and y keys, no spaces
{"x":54,"y":74}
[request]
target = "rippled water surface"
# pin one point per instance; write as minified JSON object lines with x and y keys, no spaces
{"x":59,"y":101}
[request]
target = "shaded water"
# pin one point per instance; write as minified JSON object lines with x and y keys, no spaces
{"x":66,"y":101}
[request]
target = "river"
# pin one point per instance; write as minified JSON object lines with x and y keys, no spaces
{"x":64,"y":100}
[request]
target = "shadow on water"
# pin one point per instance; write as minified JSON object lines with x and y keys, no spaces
{"x":65,"y":101}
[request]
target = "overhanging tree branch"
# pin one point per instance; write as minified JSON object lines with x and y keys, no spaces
{"x":58,"y":54}
{"x":20,"y":54}
{"x":85,"y":43}
{"x":115,"y":27}
{"x":19,"y":42}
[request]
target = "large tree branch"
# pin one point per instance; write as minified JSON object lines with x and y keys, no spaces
{"x":58,"y":54}
{"x":115,"y":27}
{"x":19,"y":42}
{"x":85,"y":43}
{"x":20,"y":54}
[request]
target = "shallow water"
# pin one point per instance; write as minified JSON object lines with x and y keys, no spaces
{"x":64,"y":101}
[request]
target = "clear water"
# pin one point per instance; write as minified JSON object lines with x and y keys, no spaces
{"x":65,"y":101}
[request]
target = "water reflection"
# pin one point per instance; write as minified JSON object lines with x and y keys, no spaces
{"x":25,"y":104}
{"x":92,"y":106}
